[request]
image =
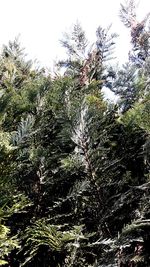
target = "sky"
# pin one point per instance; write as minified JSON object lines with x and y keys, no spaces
{"x":41,"y":23}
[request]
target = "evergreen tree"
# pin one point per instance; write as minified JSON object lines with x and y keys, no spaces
{"x":74,"y":187}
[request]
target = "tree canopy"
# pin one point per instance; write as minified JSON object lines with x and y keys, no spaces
{"x":74,"y":167}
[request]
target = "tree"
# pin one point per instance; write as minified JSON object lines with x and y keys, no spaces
{"x":74,"y":167}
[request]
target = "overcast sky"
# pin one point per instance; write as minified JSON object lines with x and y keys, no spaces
{"x":42,"y":22}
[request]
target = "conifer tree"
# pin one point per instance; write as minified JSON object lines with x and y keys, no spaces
{"x":74,"y":185}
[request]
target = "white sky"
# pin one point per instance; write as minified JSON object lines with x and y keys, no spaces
{"x":42,"y":22}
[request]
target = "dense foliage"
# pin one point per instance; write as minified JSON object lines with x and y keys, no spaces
{"x":74,"y":167}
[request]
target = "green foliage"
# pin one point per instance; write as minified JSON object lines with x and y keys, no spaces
{"x":24,"y":129}
{"x":74,"y":185}
{"x":139,"y":114}
{"x":41,"y":234}
{"x":76,"y":42}
{"x":7,"y":243}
